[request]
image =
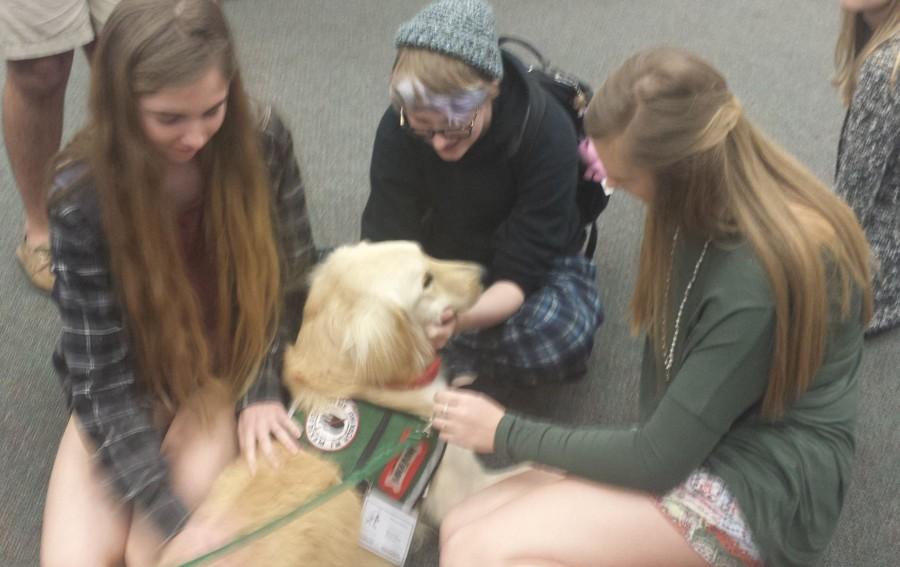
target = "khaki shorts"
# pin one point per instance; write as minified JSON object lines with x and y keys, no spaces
{"x":30,"y":29}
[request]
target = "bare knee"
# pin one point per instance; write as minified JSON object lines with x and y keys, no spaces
{"x":194,"y":472}
{"x":193,"y":486}
{"x":77,"y":547}
{"x":40,"y":78}
{"x":464,"y":547}
{"x":83,"y":524}
{"x":451,"y":524}
{"x":198,"y":452}
{"x":58,"y":556}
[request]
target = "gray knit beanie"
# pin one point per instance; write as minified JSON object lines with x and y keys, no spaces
{"x":463,"y":29}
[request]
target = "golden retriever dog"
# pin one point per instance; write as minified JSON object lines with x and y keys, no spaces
{"x":363,"y":336}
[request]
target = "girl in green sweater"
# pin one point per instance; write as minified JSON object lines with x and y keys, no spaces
{"x":753,"y":291}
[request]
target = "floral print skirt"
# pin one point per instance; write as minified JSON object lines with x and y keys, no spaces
{"x":708,"y":517}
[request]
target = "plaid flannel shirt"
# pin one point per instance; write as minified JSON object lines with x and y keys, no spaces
{"x":93,"y":356}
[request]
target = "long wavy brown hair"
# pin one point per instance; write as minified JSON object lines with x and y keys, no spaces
{"x":856,"y":41}
{"x":719,"y":177}
{"x":146,"y":46}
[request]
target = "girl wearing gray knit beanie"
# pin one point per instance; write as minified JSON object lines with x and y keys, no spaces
{"x":443,"y":174}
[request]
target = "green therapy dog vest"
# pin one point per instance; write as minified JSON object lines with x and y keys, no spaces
{"x":351,"y":431}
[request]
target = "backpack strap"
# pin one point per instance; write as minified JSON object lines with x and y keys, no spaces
{"x":537,"y":98}
{"x":534,"y":113}
{"x":528,"y":46}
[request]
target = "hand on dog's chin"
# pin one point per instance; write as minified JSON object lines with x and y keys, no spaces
{"x":439,"y":334}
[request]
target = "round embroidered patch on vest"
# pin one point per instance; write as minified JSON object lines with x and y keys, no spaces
{"x":333,"y":428}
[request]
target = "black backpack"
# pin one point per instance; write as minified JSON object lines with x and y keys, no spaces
{"x":574,"y":95}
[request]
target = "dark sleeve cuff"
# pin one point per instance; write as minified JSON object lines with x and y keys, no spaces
{"x":268,"y":386}
{"x":168,"y":514}
{"x":527,"y":283}
{"x":502,"y":434}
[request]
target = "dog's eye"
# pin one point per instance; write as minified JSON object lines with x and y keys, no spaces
{"x":426,"y":281}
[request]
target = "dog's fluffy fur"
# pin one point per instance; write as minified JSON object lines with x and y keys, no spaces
{"x":363,"y":336}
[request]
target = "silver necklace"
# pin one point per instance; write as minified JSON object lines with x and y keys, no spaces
{"x":670,"y":353}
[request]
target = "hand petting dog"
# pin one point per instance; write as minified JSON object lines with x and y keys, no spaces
{"x":467,"y":419}
{"x":258,"y":423}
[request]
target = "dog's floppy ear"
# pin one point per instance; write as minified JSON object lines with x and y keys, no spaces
{"x":347,"y":344}
{"x":313,"y":364}
{"x":387,"y":347}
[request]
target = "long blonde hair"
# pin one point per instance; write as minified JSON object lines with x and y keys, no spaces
{"x":719,"y":177}
{"x":856,"y":41}
{"x":148,"y":45}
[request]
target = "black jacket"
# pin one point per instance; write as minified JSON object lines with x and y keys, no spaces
{"x":514,"y":215}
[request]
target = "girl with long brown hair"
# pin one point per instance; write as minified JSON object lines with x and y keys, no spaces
{"x":867,"y":176}
{"x":179,"y":234}
{"x":753,"y":291}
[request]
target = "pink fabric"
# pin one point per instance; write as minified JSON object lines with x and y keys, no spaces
{"x":588,"y":153}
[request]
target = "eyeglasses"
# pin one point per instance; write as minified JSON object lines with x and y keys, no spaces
{"x":448,"y":133}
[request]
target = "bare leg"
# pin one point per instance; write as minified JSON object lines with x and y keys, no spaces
{"x":197,"y":449}
{"x":573,"y":523}
{"x":83,"y":524}
{"x":483,"y":503}
{"x":33,"y":100}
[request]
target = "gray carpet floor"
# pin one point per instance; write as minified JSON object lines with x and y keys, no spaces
{"x":325,"y":64}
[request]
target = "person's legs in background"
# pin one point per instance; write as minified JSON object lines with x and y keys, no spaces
{"x":33,"y":99}
{"x":39,"y":38}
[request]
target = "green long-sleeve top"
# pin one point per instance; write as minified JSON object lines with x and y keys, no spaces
{"x":789,"y":476}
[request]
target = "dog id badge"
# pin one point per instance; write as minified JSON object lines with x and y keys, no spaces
{"x":387,"y":529}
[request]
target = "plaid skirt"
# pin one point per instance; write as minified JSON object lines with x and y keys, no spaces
{"x":550,"y":337}
{"x":707,"y":515}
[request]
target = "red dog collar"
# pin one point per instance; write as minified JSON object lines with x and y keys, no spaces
{"x":427,"y":376}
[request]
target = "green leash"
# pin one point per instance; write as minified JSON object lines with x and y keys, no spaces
{"x":378,"y":461}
